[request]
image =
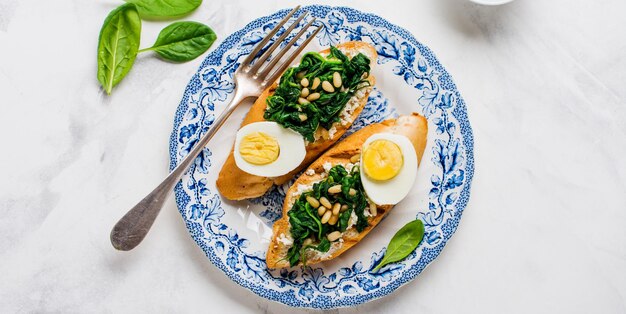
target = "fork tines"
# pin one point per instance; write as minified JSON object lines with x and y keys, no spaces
{"x":266,"y":75}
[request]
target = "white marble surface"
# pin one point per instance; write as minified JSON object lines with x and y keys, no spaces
{"x":545,"y":229}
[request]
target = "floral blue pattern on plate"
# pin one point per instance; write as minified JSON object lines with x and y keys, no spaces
{"x":235,"y":235}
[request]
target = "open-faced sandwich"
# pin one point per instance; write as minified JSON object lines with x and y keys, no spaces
{"x":347,"y":192}
{"x":298,"y":118}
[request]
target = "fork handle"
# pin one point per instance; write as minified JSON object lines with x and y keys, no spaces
{"x":131,"y":229}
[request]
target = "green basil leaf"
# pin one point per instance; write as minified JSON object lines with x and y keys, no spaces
{"x":324,"y":245}
{"x":344,"y":218}
{"x":403,"y":243}
{"x":118,"y":45}
{"x":183,"y":41}
{"x":163,"y":9}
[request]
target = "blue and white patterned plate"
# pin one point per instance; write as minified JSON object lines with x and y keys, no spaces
{"x":235,"y":235}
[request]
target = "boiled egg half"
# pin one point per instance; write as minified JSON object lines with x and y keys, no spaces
{"x":267,"y":149}
{"x":388,"y":168}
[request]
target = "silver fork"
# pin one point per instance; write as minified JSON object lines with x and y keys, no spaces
{"x":250,"y":80}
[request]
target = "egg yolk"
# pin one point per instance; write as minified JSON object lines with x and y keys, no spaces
{"x":259,"y":148}
{"x":382,"y":160}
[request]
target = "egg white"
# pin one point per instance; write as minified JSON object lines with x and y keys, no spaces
{"x":392,"y":191}
{"x":291,"y":146}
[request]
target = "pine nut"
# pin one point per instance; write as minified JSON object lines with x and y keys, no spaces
{"x":355,"y":158}
{"x":336,"y":209}
{"x":328,"y":87}
{"x":321,"y":210}
{"x":300,"y":75}
{"x":352,"y":192}
{"x":373,"y":210}
{"x":334,"y":189}
{"x":302,"y":117}
{"x":304,"y":82}
{"x":307,"y":241}
{"x":316,"y":83}
{"x":302,"y":101}
{"x":343,"y":208}
{"x":313,"y":202}
{"x":334,"y":236}
{"x":314,"y":96}
{"x":324,"y":201}
{"x":304,"y":92}
{"x":333,"y":220}
{"x":326,"y":216}
{"x":337,"y":79}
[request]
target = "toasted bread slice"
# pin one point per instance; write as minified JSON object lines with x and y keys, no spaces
{"x":235,"y":184}
{"x":412,"y":126}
